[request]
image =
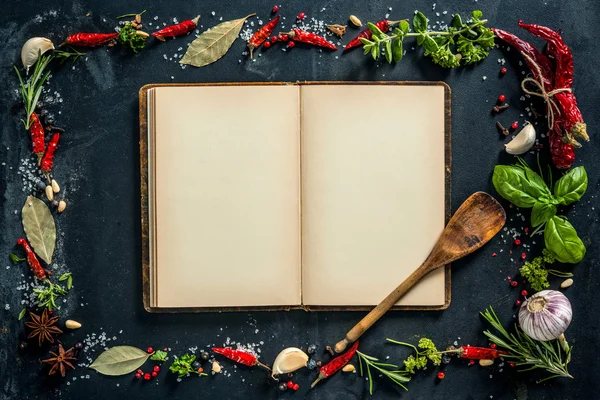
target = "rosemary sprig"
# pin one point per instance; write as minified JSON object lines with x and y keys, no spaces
{"x":468,"y":43}
{"x":552,"y":356}
{"x":32,"y":88}
{"x":391,"y":371}
{"x":46,"y":298}
{"x":64,"y":55}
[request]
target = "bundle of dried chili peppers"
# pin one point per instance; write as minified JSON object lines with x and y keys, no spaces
{"x":553,"y":77}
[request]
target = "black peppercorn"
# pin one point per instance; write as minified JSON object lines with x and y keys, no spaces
{"x":312,"y":349}
{"x":22,"y":346}
{"x":78,"y":346}
{"x":282,"y":387}
{"x":204,"y":356}
{"x":196,"y":365}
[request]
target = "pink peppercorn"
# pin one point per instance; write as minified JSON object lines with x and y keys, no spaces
{"x":291,"y":44}
{"x":275,"y":9}
{"x":524,"y":293}
{"x":517,"y":242}
{"x":503,"y":71}
{"x":523,"y":256}
{"x":267,"y":45}
{"x":514,"y":283}
{"x":518,"y":303}
{"x":273,"y":39}
{"x":515,"y":125}
{"x":301,"y":16}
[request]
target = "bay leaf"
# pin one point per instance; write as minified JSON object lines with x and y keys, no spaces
{"x":214,"y":43}
{"x":39,"y":227}
{"x":120,"y":360}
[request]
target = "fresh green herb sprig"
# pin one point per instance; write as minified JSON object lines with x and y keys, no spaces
{"x":67,"y":277}
{"x":129,"y":36}
{"x":427,"y":353}
{"x":525,"y":188}
{"x":46,"y":298}
{"x":552,"y":356}
{"x":159,"y":355}
{"x":536,"y":272}
{"x":466,"y":43}
{"x":15,"y":258}
{"x":390,"y":371}
{"x":31,"y":89}
{"x":65,"y":55}
{"x":182,"y":366}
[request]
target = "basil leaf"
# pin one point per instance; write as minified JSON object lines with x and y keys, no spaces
{"x":537,"y":183}
{"x":512,"y":184}
{"x":397,"y":50}
{"x":404,"y":26}
{"x":562,"y":240}
{"x":420,"y":22}
{"x":542,"y":212}
{"x":571,"y":186}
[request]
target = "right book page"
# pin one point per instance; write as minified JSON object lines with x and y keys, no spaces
{"x":373,"y":191}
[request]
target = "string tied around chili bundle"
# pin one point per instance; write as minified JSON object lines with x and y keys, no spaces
{"x":547,"y":96}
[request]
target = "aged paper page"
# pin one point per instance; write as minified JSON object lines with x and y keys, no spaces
{"x":227,"y":196}
{"x":373,"y":191}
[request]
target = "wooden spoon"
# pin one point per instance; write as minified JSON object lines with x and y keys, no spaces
{"x":475,"y":222}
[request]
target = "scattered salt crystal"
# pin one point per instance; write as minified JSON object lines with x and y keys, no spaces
{"x":212,"y":13}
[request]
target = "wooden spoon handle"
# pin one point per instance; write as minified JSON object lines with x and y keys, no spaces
{"x":387,"y":303}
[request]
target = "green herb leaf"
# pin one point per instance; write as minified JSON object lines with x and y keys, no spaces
{"x":213,"y":44}
{"x":512,"y":183}
{"x":388,"y":51}
{"x":182,"y":366}
{"x":120,"y":360}
{"x":542,"y":212}
{"x":571,"y":186}
{"x":22,"y":313}
{"x":429,"y":44}
{"x":457,"y":21}
{"x":397,"y":50}
{"x":535,"y":273}
{"x":129,"y":36}
{"x":477,"y":14}
{"x":15,"y":258}
{"x":420,"y":22}
{"x":562,"y":240}
{"x":404,"y":26}
{"x":375,"y":31}
{"x":159,"y":355}
{"x":39,"y":227}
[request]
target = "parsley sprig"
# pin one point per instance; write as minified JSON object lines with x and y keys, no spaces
{"x":552,"y":356}
{"x":463,"y":42}
{"x":418,"y":361}
{"x":182,"y":366}
{"x":129,"y":36}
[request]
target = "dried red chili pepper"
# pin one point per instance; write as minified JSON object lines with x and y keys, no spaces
{"x":32,"y":260}
{"x":37,"y":136}
{"x":336,"y":364}
{"x":480,"y":353}
{"x":262,"y":34}
{"x":177,"y":30}
{"x":48,"y":159}
{"x":383,"y":25}
{"x":240,"y":356}
{"x":524,"y":47}
{"x":310,"y":38}
{"x":90,"y":39}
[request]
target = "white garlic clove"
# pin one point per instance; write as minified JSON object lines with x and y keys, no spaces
{"x":33,"y":49}
{"x":486,"y":363}
{"x":71,"y":324}
{"x":348,"y":368}
{"x":216,"y":367}
{"x":523,"y":142}
{"x":289,"y":360}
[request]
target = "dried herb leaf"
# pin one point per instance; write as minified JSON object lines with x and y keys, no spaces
{"x":120,"y":360}
{"x":39,"y":227}
{"x":214,"y":43}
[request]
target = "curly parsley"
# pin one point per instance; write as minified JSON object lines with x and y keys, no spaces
{"x":466,"y":43}
{"x":536,"y":272}
{"x":182,"y":366}
{"x":160,"y":355}
{"x":129,"y":36}
{"x":418,"y":361}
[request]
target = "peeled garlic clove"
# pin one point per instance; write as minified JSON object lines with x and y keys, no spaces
{"x":566,"y":283}
{"x":33,"y":49}
{"x":523,"y":142}
{"x":71,"y":324}
{"x":49,"y":193}
{"x":55,"y":186}
{"x":289,"y":360}
{"x":348,"y":368}
{"x":216,"y":367}
{"x":486,"y":363}
{"x":61,"y":206}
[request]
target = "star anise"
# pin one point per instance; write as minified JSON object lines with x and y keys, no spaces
{"x":61,"y":361}
{"x":43,"y":327}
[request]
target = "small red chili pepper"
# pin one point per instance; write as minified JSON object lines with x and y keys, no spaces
{"x":384,"y":26}
{"x":480,"y":353}
{"x":239,"y":356}
{"x":336,"y":364}
{"x":37,"y":136}
{"x":310,"y":38}
{"x":90,"y":39}
{"x":33,"y":261}
{"x":177,"y":30}
{"x":48,"y":159}
{"x":262,"y":34}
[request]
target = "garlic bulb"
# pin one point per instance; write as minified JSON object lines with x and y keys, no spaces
{"x":523,"y":142}
{"x":33,"y":49}
{"x":545,"y":315}
{"x":289,"y":360}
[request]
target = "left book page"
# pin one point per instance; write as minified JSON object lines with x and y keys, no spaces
{"x":226,"y":196}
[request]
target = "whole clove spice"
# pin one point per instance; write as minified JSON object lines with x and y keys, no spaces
{"x":502,"y":129}
{"x":500,"y":107}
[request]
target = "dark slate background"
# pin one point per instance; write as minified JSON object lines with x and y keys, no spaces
{"x":99,"y":234}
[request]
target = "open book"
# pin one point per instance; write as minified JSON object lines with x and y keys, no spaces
{"x":276,"y":196}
